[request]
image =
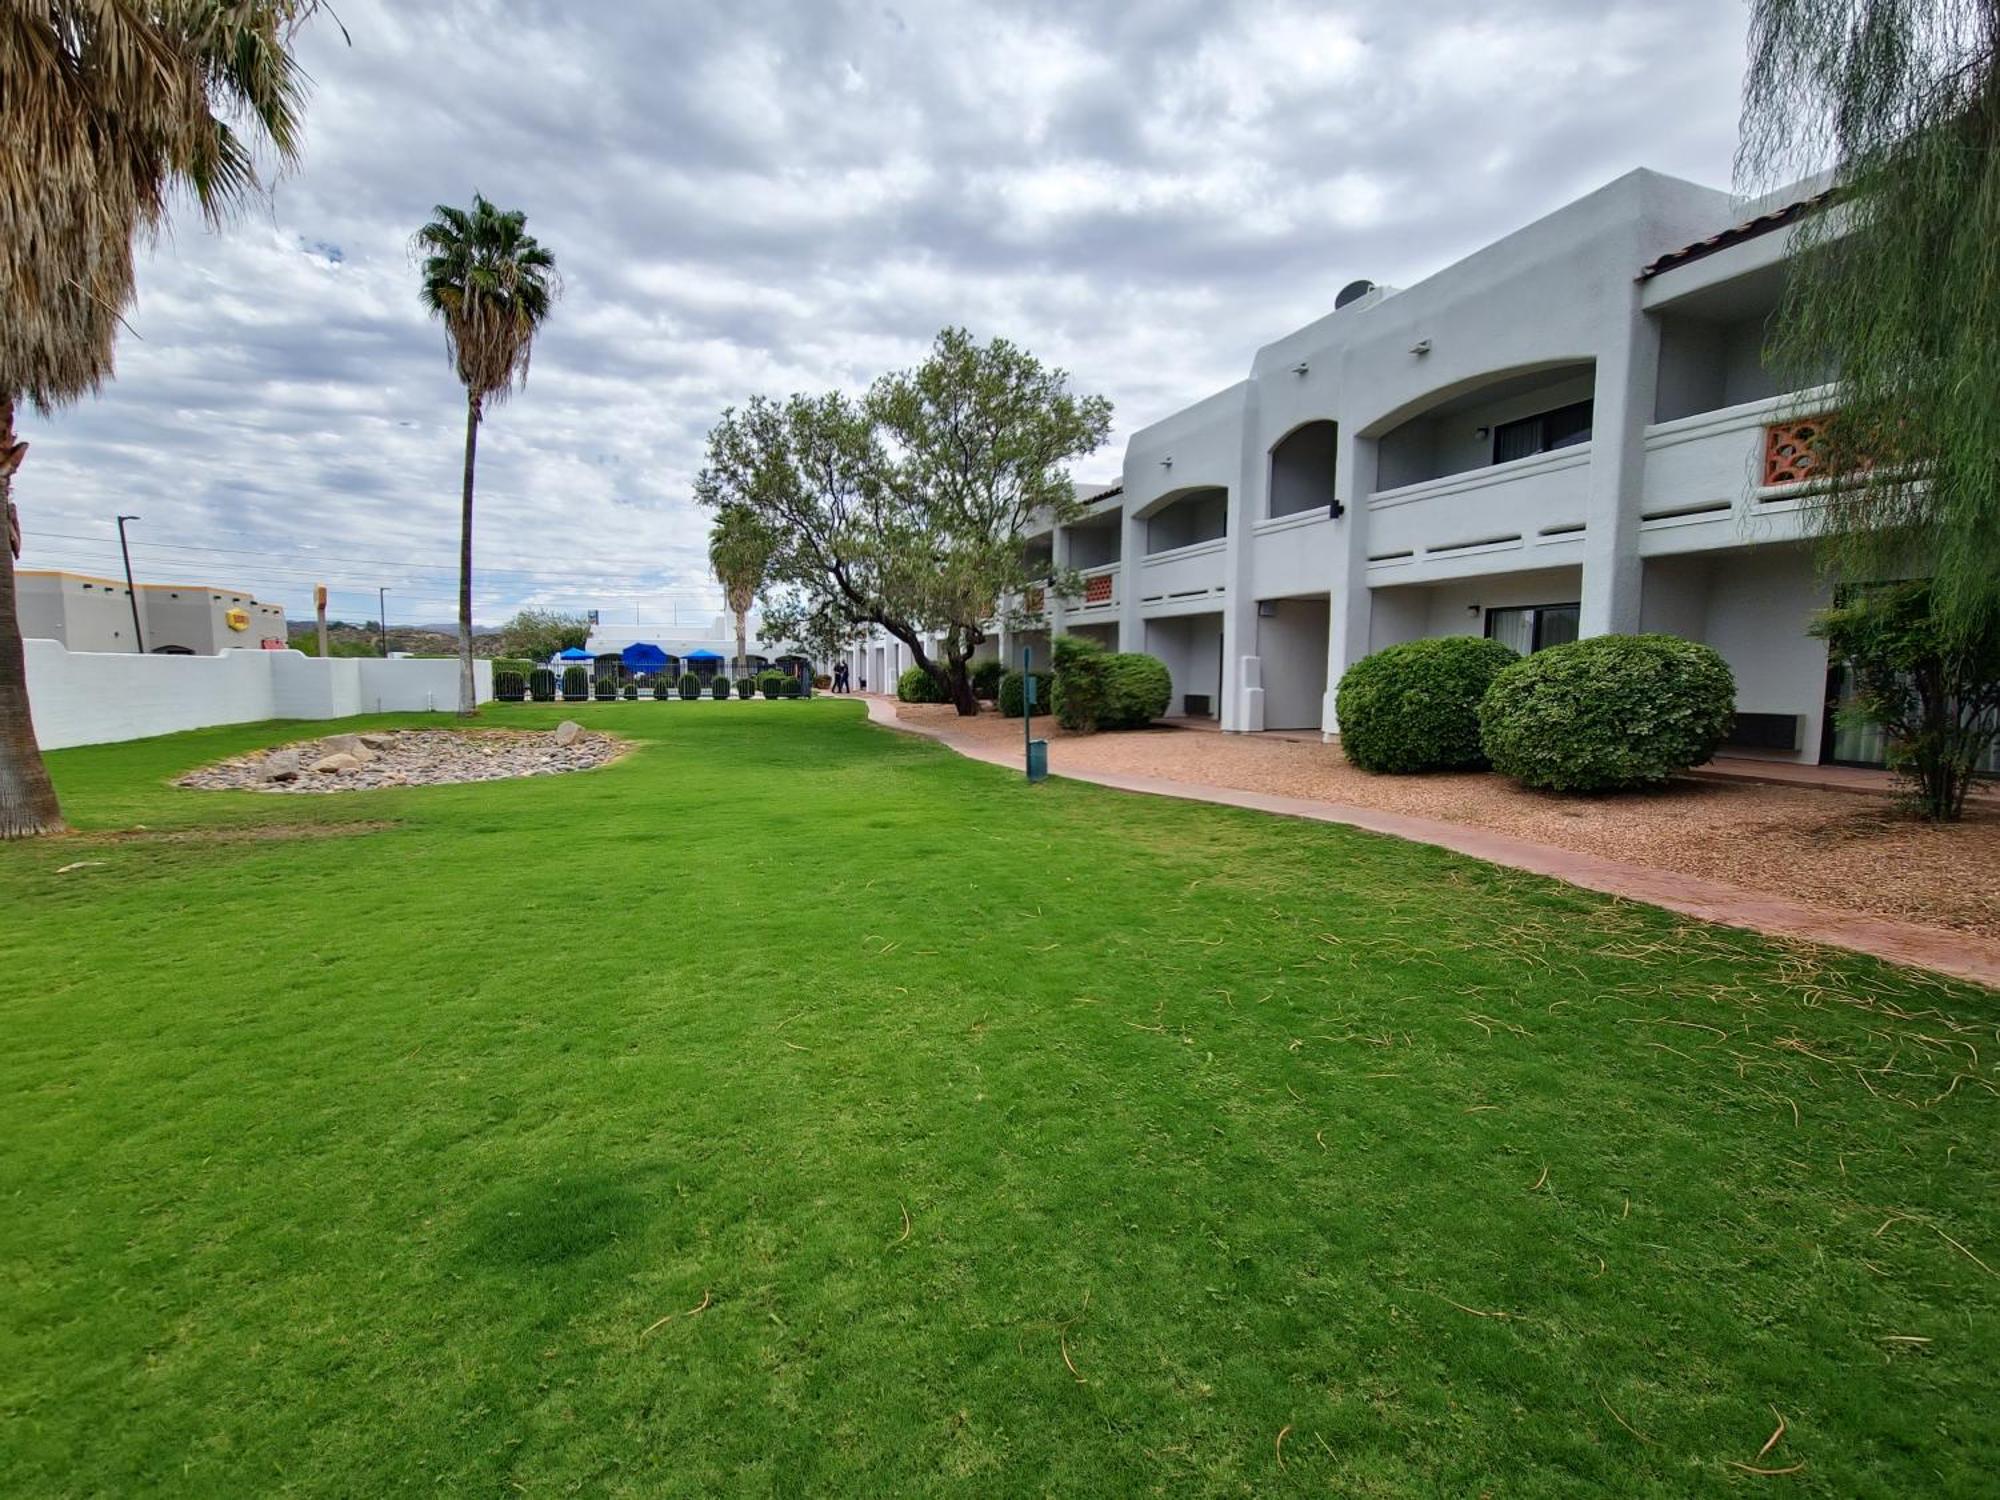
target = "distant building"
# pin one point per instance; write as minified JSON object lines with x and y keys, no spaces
{"x":86,"y":613}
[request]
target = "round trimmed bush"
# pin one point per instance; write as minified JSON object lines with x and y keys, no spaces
{"x":719,"y":687}
{"x":663,"y":687}
{"x":918,"y":686}
{"x":542,"y":685}
{"x":631,"y":691}
{"x":1010,"y":693}
{"x":576,"y":684}
{"x":1415,"y":707}
{"x":509,"y":687}
{"x":607,"y":689}
{"x":792,"y":689}
{"x":1608,"y":713}
{"x":690,"y":687}
{"x":1137,"y":688}
{"x":771,"y":684}
{"x":746,"y":687}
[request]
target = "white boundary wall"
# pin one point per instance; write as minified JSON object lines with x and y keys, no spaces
{"x":94,"y":697}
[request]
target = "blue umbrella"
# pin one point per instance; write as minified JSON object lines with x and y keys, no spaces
{"x":704,"y":656}
{"x":644,"y":656}
{"x":574,"y":653}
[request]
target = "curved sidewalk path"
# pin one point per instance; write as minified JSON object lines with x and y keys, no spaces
{"x":1958,"y":954}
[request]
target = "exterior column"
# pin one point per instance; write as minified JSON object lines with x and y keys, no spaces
{"x":1351,"y":609}
{"x":1055,"y":607}
{"x":1628,"y":368}
{"x":1131,"y":553}
{"x":1242,"y":669}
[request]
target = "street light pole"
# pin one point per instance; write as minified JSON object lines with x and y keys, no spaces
{"x":382,"y":617}
{"x":131,"y":590}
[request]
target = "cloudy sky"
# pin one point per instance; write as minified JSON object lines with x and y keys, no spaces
{"x":766,"y":196}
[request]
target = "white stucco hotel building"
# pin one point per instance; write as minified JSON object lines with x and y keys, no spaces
{"x":1569,"y":432}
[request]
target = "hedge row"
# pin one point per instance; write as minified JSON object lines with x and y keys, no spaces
{"x":1604,"y":714}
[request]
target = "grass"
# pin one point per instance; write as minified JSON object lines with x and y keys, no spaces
{"x":794,"y":1108}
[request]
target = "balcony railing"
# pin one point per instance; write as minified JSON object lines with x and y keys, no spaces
{"x":1791,"y":450}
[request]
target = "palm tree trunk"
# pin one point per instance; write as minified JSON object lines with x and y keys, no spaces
{"x":27,"y":799}
{"x":742,"y":642}
{"x":468,"y":697}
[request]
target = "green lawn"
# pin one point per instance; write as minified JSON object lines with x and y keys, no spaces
{"x":795,"y":1108}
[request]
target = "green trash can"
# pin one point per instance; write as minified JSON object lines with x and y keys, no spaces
{"x":1038,"y":759}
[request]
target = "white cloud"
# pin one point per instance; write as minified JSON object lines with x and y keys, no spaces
{"x":796,"y":194}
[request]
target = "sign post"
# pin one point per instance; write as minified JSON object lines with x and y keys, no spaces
{"x":1038,"y":750}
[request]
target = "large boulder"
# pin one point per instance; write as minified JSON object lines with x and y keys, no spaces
{"x":567,"y":731}
{"x":348,"y":744}
{"x":336,"y":764}
{"x":282,"y":765}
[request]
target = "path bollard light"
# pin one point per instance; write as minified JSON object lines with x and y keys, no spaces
{"x":1038,"y":750}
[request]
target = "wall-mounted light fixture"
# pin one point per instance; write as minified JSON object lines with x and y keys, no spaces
{"x":1167,"y":462}
{"x":1303,"y":367}
{"x":1267,"y":609}
{"x":1482,"y":433}
{"x":1335,"y":511}
{"x":1421,"y":346}
{"x":1473,"y":609}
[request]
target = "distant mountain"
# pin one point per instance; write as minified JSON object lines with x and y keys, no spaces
{"x":419,"y":640}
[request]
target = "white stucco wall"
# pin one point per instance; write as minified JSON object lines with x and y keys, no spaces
{"x":94,"y":698}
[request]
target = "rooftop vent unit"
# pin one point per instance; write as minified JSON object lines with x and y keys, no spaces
{"x":1354,"y":291}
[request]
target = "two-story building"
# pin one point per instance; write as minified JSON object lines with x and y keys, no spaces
{"x":1570,"y":432}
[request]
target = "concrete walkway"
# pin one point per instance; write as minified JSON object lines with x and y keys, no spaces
{"x":1961,"y":955}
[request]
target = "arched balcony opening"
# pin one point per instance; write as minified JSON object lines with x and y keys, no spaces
{"x":1302,"y":469}
{"x":1495,"y":419}
{"x":1187,"y":518}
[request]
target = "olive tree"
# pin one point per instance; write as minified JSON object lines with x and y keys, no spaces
{"x":909,"y":508}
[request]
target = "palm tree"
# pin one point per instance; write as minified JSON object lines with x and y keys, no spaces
{"x":739,"y":550}
{"x":107,"y":109}
{"x":492,"y":285}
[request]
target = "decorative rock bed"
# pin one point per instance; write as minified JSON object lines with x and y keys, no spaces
{"x":407,"y":757}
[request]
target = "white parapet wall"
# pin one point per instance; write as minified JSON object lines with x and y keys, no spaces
{"x":95,"y":697}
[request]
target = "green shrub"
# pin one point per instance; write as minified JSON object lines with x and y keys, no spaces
{"x":663,"y":687}
{"x":509,"y":687}
{"x":986,"y":675}
{"x":1137,"y":688}
{"x":792,"y":689}
{"x":576,"y":684}
{"x":1415,"y":707}
{"x":1078,"y":695}
{"x":607,"y":689}
{"x":542,"y":685}
{"x":719,"y":686}
{"x":631,"y":691}
{"x":1607,"y":713}
{"x":746,"y":687}
{"x":771,"y":684}
{"x":822,"y":681}
{"x":1934,"y":694}
{"x":690,"y":687}
{"x":1010,"y":693}
{"x":511,"y":664}
{"x":918,"y":686}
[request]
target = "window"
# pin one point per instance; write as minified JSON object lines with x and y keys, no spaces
{"x":1564,"y":427}
{"x":1531,"y":627}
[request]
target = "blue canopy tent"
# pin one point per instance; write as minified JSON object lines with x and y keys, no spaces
{"x":573,"y":653}
{"x":644,"y":656}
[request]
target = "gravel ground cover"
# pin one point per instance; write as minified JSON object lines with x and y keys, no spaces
{"x":394,"y":758}
{"x":1841,"y":851}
